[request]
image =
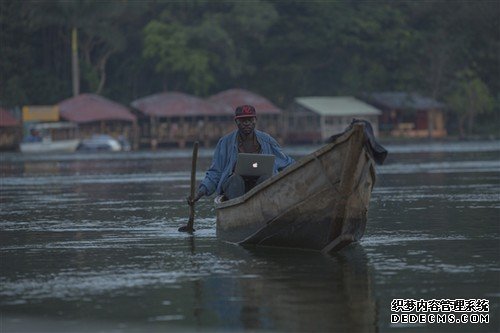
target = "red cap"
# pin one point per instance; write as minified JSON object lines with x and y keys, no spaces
{"x":245,"y":111}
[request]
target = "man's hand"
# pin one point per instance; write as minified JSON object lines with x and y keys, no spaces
{"x":201,"y":192}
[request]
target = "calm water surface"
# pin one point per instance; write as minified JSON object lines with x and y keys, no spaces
{"x":89,"y":242}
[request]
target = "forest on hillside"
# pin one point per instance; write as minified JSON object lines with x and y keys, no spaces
{"x":447,"y":50}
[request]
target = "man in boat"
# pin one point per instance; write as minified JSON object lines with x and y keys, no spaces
{"x":34,"y":136}
{"x":220,"y":177}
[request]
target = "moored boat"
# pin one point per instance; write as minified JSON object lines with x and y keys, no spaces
{"x":319,"y":203}
{"x":51,"y":138}
{"x":49,"y":146}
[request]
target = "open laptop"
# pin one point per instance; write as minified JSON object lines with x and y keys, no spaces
{"x":254,"y":164}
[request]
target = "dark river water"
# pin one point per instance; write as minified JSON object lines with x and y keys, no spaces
{"x":89,"y":243}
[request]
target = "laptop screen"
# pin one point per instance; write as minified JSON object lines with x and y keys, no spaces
{"x":254,"y":164}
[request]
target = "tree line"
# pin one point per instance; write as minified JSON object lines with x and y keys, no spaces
{"x":447,"y":50}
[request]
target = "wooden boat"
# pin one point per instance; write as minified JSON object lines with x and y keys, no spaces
{"x":319,"y":203}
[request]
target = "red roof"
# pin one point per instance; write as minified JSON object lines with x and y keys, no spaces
{"x":172,"y":104}
{"x":6,"y":119}
{"x":89,"y":107}
{"x":236,"y":97}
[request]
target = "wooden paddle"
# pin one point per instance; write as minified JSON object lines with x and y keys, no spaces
{"x":189,"y":227}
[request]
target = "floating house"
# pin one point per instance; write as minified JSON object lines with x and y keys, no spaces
{"x":175,"y":118}
{"x":315,"y":119}
{"x":270,"y":117}
{"x":409,"y":114}
{"x":95,"y":114}
{"x":10,"y":131}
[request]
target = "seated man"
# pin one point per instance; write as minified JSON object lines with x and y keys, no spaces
{"x":34,"y":136}
{"x":220,"y":176}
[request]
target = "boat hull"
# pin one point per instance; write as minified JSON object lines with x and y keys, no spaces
{"x":49,"y":146}
{"x":319,"y":203}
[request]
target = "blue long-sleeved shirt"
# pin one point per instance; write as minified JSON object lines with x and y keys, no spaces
{"x":226,"y":153}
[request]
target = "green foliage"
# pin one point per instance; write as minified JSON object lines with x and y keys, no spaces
{"x":170,"y":44}
{"x":89,"y":75}
{"x":281,"y":49}
{"x":194,"y":48}
{"x":469,"y":98}
{"x":14,"y":53}
{"x":471,"y":94}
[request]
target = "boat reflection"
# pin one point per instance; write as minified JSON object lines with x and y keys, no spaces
{"x":293,"y":290}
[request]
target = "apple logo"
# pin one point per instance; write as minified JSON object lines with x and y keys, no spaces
{"x":255,"y":165}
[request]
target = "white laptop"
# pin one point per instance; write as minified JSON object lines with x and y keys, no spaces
{"x":254,"y":164}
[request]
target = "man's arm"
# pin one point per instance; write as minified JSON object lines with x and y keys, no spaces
{"x":213,"y":174}
{"x":202,"y":190}
{"x":282,"y":159}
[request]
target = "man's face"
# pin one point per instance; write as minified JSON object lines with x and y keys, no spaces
{"x":246,"y":125}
